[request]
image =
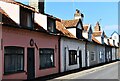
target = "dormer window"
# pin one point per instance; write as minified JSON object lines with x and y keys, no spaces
{"x":102,"y":40}
{"x":51,"y":25}
{"x":26,"y":18}
{"x":89,"y":36}
{"x":79,"y":33}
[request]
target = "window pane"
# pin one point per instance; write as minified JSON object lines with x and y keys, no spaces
{"x":50,"y":25}
{"x":20,"y":62}
{"x":46,"y":58}
{"x":92,"y":56}
{"x":72,"y":57}
{"x":7,"y":63}
{"x":13,"y":59}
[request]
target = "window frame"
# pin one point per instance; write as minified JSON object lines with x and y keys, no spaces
{"x":51,"y":20}
{"x":19,"y":71}
{"x":93,"y":52}
{"x":30,"y":14}
{"x":52,"y":66}
{"x":75,"y":62}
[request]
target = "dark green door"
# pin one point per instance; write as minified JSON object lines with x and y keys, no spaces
{"x":30,"y":63}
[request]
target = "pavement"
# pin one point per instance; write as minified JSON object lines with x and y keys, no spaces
{"x":106,"y":72}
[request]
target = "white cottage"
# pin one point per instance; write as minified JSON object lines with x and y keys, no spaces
{"x":99,"y":35}
{"x":115,"y":36}
{"x":94,"y":48}
{"x":112,"y":43}
{"x":72,"y":48}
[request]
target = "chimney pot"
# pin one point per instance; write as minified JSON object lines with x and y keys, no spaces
{"x":78,"y":15}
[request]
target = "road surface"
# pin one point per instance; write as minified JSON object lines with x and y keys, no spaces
{"x":108,"y":71}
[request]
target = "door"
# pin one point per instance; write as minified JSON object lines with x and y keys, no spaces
{"x":80,"y":59}
{"x":65,"y":59}
{"x":30,"y":64}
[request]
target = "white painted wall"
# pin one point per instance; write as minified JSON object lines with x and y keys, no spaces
{"x":12,"y":10}
{"x":99,"y":38}
{"x":111,"y":41}
{"x":72,"y":30}
{"x":85,"y":35}
{"x":71,"y":44}
{"x":113,"y":54}
{"x":101,"y":50}
{"x":115,"y":36}
{"x":41,"y":20}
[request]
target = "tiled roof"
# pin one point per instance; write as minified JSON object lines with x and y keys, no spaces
{"x":39,"y":28}
{"x":99,"y":33}
{"x":70,"y":23}
{"x":6,"y":19}
{"x":63,"y":30}
{"x":95,"y":40}
{"x":85,"y":27}
{"x":20,"y":4}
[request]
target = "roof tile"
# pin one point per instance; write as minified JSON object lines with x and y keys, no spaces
{"x":99,"y":33}
{"x":70,"y":23}
{"x":95,"y":40}
{"x":62,"y":29}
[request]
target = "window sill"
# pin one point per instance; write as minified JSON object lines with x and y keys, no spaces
{"x":72,"y":64}
{"x":47,"y":68}
{"x":10,"y":73}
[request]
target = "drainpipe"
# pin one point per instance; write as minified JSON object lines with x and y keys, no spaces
{"x":59,"y":56}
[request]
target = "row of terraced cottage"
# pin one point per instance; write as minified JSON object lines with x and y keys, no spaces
{"x":34,"y":44}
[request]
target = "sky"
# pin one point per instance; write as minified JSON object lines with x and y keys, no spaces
{"x":104,"y":12}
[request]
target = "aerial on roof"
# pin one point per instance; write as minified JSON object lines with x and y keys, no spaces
{"x":70,"y":23}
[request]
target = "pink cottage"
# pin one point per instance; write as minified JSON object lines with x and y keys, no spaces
{"x":27,"y":50}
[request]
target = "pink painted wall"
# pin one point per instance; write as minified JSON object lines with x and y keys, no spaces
{"x":20,"y":37}
{"x":0,"y":52}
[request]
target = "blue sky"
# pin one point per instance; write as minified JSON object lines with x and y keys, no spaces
{"x":105,"y":12}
